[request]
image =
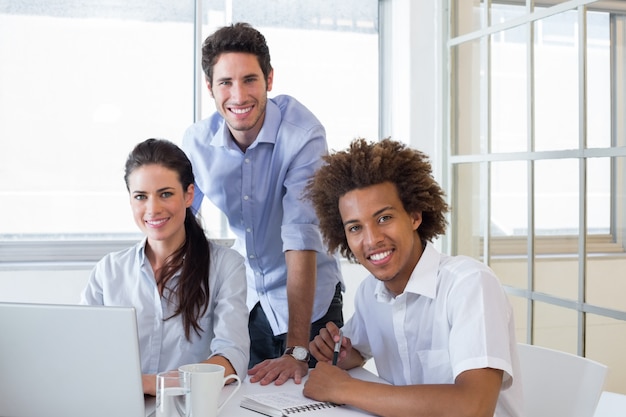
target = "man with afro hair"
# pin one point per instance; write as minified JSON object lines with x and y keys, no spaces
{"x":440,"y":328}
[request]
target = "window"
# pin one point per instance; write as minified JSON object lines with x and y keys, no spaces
{"x":83,"y":81}
{"x":536,"y":155}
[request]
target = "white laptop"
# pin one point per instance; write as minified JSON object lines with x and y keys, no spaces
{"x":70,"y":361}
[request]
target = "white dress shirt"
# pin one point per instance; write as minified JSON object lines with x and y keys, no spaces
{"x":453,"y":316}
{"x":126,"y":278}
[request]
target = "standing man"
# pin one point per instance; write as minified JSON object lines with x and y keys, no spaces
{"x":252,"y":159}
{"x":440,"y":328}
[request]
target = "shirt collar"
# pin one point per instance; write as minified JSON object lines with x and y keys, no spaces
{"x":140,"y":250}
{"x":423,"y":279}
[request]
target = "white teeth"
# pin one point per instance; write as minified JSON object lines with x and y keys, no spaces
{"x":241,"y":111}
{"x":379,"y":256}
{"x":155,"y":222}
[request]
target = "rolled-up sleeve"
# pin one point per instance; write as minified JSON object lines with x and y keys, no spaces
{"x":300,"y":224}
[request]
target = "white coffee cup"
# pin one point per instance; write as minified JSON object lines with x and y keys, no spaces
{"x":207,"y":381}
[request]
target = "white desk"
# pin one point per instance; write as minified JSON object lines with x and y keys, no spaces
{"x":232,"y":408}
{"x":611,"y":404}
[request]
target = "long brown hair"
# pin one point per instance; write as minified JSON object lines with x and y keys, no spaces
{"x":192,"y":289}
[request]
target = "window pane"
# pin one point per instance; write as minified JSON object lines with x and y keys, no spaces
{"x":599,"y":186}
{"x":619,"y":200}
{"x":509,"y":198}
{"x":520,"y":312}
{"x":468,"y":133}
{"x":619,"y":80}
{"x":468,"y":16}
{"x":557,"y":197}
{"x":598,"y":80}
{"x":605,"y":283}
{"x":509,"y":104}
{"x":502,"y":13}
{"x":556,"y":92}
{"x":557,"y":276}
{"x":555,"y":327}
{"x":469,"y":197}
{"x":512,"y":271}
{"x":81,"y":84}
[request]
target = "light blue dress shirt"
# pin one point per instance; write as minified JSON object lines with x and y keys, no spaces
{"x":260,"y":192}
{"x":125,"y":278}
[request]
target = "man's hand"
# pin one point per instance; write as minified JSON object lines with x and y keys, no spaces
{"x":324,"y":383}
{"x":279,"y":370}
{"x":323,"y":345}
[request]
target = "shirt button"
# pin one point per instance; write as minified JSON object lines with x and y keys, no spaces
{"x":247,"y":160}
{"x":245,"y":197}
{"x":248,"y":230}
{"x":251,"y":256}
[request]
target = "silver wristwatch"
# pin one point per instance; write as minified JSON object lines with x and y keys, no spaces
{"x":298,"y":352}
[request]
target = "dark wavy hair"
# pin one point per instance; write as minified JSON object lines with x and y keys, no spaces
{"x":238,"y":37}
{"x":192,"y":289}
{"x":365,"y":164}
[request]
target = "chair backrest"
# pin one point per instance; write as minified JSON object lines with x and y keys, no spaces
{"x":611,"y":404}
{"x":559,"y":384}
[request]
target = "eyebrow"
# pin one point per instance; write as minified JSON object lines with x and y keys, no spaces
{"x":251,"y":75}
{"x":160,"y":190}
{"x":376,"y":213}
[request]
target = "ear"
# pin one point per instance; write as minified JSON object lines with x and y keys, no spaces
{"x":208,"y":86}
{"x":270,"y":80}
{"x":416,"y":219}
{"x":189,"y":195}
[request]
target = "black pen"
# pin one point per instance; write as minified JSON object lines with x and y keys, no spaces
{"x":337,"y":347}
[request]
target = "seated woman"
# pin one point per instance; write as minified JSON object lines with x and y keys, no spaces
{"x":189,"y":293}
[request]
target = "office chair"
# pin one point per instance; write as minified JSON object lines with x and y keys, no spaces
{"x":559,"y":384}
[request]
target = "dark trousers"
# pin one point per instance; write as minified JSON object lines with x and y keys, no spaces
{"x":263,"y":343}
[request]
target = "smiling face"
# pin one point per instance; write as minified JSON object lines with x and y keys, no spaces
{"x":240,"y":93}
{"x":159,"y":204}
{"x":381,"y":234}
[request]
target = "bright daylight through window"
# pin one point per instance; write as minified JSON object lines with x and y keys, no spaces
{"x":84,"y":81}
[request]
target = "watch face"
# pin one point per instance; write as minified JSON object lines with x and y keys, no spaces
{"x":300,"y":353}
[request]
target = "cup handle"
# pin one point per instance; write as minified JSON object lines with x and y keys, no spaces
{"x":235,"y":377}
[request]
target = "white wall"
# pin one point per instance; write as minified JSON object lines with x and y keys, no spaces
{"x":40,"y":286}
{"x":64,"y":287}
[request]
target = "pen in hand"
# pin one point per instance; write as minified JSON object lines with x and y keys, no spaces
{"x":337,"y":348}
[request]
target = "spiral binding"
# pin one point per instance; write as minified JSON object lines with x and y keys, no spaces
{"x":309,"y":407}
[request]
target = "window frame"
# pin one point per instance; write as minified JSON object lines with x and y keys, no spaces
{"x":531,"y":249}
{"x":601,"y":244}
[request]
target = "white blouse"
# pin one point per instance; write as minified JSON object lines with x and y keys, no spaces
{"x":126,"y":278}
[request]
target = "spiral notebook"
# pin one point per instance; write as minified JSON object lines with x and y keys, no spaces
{"x":283,"y":404}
